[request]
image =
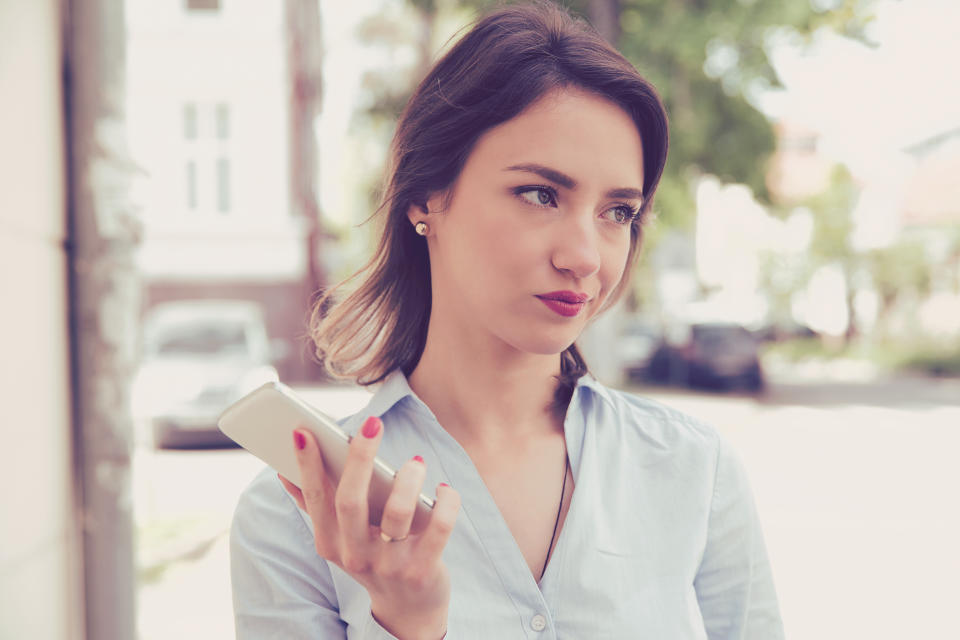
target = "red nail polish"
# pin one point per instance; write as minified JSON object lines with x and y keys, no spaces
{"x":299,"y":440}
{"x":371,"y":427}
{"x":418,"y":459}
{"x":444,"y":484}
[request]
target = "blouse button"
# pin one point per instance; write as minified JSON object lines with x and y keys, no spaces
{"x":538,"y":623}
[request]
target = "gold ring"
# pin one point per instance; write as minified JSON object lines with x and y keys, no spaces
{"x":387,"y":538}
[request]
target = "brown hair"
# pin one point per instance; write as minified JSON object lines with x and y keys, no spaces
{"x":505,"y":62}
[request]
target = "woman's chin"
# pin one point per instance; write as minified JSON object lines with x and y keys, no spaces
{"x":546,"y":345}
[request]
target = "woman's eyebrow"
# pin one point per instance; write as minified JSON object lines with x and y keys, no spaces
{"x":567,"y":182}
{"x":552,"y":175}
{"x":626,"y":193}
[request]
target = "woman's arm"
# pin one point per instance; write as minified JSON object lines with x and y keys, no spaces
{"x":281,"y":588}
{"x":734,"y":583}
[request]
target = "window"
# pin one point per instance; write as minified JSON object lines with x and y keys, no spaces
{"x":191,"y":184}
{"x":223,"y":121}
{"x":206,"y":157}
{"x":223,"y":185}
{"x":801,"y":143}
{"x":203,"y":5}
{"x":190,"y":121}
{"x":204,"y":339}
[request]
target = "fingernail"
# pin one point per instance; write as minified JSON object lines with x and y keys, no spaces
{"x":418,"y":459}
{"x":371,"y":427}
{"x":299,"y":440}
{"x":444,"y":484}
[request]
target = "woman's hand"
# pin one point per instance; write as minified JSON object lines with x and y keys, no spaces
{"x":408,"y":583}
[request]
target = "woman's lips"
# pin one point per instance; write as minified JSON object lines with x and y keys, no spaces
{"x":562,"y":307}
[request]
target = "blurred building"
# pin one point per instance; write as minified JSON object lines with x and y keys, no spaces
{"x":908,"y":217}
{"x":933,"y":192}
{"x":217,"y":133}
{"x":797,"y":169}
{"x":930,"y":216}
{"x":907,"y":205}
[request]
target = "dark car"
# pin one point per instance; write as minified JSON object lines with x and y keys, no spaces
{"x":786,"y":330}
{"x":713,"y":354}
{"x":639,"y":341}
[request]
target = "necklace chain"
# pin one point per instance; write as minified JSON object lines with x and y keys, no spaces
{"x":563,"y":492}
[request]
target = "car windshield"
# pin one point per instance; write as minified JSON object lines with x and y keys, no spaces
{"x":720,"y":337}
{"x":202,"y":339}
{"x":639,"y":330}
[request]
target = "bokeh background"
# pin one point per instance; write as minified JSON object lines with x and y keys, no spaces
{"x":181,"y":177}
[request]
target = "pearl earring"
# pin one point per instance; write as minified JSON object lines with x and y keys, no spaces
{"x":421,"y":228}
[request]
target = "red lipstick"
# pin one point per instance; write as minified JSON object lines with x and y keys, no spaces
{"x":565,"y":303}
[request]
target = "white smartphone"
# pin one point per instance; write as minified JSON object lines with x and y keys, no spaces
{"x":262,"y":422}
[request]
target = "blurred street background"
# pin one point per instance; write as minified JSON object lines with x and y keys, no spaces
{"x":181,"y":177}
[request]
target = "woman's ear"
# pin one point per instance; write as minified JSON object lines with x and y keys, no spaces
{"x":416,"y":213}
{"x":420,"y":212}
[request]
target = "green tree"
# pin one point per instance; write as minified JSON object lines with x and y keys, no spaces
{"x":902,"y":268}
{"x":410,"y":33}
{"x":709,"y":60}
{"x":832,"y":226}
{"x":832,"y":211}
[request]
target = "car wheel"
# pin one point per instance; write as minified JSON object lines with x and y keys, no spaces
{"x":754,"y":379}
{"x":659,"y":369}
{"x":162,"y":438}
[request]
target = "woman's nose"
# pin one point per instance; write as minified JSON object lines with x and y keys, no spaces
{"x":576,"y":248}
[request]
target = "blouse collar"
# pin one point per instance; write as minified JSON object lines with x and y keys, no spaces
{"x":395,"y":388}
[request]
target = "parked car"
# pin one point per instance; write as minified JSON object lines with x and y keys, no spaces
{"x":639,"y":341}
{"x":784,"y":330}
{"x":198,"y":358}
{"x":715,"y":354}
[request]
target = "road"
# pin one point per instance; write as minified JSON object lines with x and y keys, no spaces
{"x":856,"y":484}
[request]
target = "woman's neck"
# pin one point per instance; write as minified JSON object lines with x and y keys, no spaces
{"x":487,"y":396}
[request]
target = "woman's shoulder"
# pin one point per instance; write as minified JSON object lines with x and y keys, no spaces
{"x":265,"y":500}
{"x":627,"y":414}
{"x":265,"y":485}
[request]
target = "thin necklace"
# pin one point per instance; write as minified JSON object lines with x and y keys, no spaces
{"x":563,"y":492}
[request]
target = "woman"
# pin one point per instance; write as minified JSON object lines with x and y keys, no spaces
{"x":524,"y":166}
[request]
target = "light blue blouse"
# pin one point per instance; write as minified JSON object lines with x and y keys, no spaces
{"x":661,"y":540}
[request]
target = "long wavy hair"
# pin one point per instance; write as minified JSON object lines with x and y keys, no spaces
{"x":505,"y":62}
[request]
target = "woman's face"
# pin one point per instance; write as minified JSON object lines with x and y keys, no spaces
{"x":539,"y":217}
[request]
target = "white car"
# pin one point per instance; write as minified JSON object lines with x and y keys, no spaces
{"x":198,"y":358}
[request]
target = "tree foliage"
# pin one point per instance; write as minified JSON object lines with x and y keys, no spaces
{"x":833,"y":219}
{"x":709,"y":60}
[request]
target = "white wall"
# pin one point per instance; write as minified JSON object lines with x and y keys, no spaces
{"x":40,"y":574}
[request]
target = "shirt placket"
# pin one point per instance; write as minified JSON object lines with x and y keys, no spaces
{"x":478,"y":506}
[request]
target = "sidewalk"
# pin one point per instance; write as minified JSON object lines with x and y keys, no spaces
{"x":191,"y":597}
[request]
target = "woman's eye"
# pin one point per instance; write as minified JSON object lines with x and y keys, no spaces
{"x":539,"y":196}
{"x":622,"y":214}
